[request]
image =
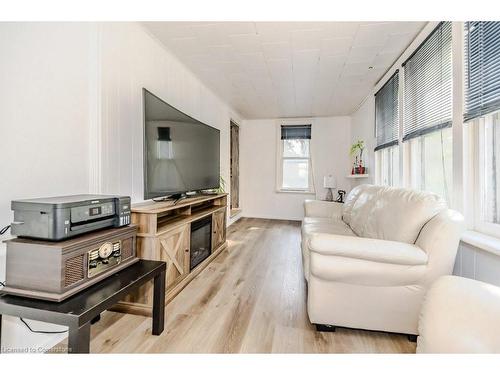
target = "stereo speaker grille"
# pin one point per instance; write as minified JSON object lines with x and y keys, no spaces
{"x":127,"y":248}
{"x":73,"y":271}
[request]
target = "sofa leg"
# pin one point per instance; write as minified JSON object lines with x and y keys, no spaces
{"x":412,"y":338}
{"x":325,"y":328}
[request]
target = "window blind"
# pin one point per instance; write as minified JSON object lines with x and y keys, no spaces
{"x":427,"y":101}
{"x":482,"y":68}
{"x":387,"y":113}
{"x":295,"y":131}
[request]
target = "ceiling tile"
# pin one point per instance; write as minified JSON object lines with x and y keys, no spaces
{"x":336,"y":46}
{"x":362,"y":55}
{"x":252,"y":60}
{"x":222,"y":53}
{"x":287,"y":69}
{"x":246,"y":43}
{"x":384,"y":59}
{"x":187,"y":45}
{"x":233,"y":28}
{"x":211,"y":34}
{"x":306,"y":39}
{"x":277,"y":50}
{"x":273,"y":32}
{"x":342,"y":29}
{"x":397,"y":43}
{"x":372,"y":35}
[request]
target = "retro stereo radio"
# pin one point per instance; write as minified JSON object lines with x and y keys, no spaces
{"x":97,"y":241}
{"x":53,"y":271}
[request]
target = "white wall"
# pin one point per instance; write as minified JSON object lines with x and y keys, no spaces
{"x":476,"y":263}
{"x":132,"y":59}
{"x":44,"y":127}
{"x":258,"y":142}
{"x":71,"y":117}
{"x":363,"y":128}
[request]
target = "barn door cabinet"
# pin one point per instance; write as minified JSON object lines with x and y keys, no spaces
{"x":164,"y":234}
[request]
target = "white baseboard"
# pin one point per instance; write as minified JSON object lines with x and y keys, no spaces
{"x":270,"y":217}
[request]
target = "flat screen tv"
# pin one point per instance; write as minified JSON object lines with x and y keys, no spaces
{"x":181,"y":154}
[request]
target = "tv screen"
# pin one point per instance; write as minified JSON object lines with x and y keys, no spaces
{"x":181,"y":154}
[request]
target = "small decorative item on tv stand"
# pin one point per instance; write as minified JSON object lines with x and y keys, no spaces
{"x":357,"y":151}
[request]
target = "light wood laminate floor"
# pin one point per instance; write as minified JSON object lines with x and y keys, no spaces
{"x":250,"y":299}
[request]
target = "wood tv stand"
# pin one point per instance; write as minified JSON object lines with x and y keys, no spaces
{"x":164,"y":234}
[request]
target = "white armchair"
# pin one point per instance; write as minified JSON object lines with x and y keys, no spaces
{"x":460,"y":315}
{"x":370,"y":261}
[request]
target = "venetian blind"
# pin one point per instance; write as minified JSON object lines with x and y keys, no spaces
{"x":482,"y":68}
{"x":387,"y":113}
{"x":427,"y":100}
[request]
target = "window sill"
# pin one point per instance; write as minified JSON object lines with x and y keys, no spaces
{"x":482,"y":241}
{"x":295,"y":191}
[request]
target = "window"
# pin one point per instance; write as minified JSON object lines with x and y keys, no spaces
{"x":431,"y":162}
{"x":427,"y":102}
{"x":295,"y":159}
{"x":489,"y":174}
{"x":482,"y":105}
{"x":387,"y":132}
{"x":387,"y":166}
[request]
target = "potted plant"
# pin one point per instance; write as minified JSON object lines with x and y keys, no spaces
{"x":357,"y":151}
{"x":222,"y":185}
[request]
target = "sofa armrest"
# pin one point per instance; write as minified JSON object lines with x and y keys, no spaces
{"x":439,"y":238}
{"x":368,"y":249}
{"x":315,"y":208}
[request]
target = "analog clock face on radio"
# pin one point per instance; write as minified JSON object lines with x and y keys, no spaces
{"x":105,"y":250}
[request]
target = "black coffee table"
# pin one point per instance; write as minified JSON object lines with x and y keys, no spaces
{"x":79,"y":310}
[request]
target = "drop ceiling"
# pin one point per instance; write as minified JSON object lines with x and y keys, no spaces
{"x":288,"y":69}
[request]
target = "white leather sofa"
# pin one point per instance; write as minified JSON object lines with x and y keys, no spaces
{"x":370,"y":261}
{"x":460,"y":315}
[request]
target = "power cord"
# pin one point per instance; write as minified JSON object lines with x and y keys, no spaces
{"x":2,"y":283}
{"x":37,"y":331}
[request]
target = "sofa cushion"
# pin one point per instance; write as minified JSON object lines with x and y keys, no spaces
{"x":312,"y":225}
{"x":393,"y":214}
{"x":369,"y":249}
{"x":364,"y":272}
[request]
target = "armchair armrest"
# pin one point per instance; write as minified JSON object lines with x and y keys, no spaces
{"x":315,"y":208}
{"x":368,"y":249}
{"x":471,"y":328}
